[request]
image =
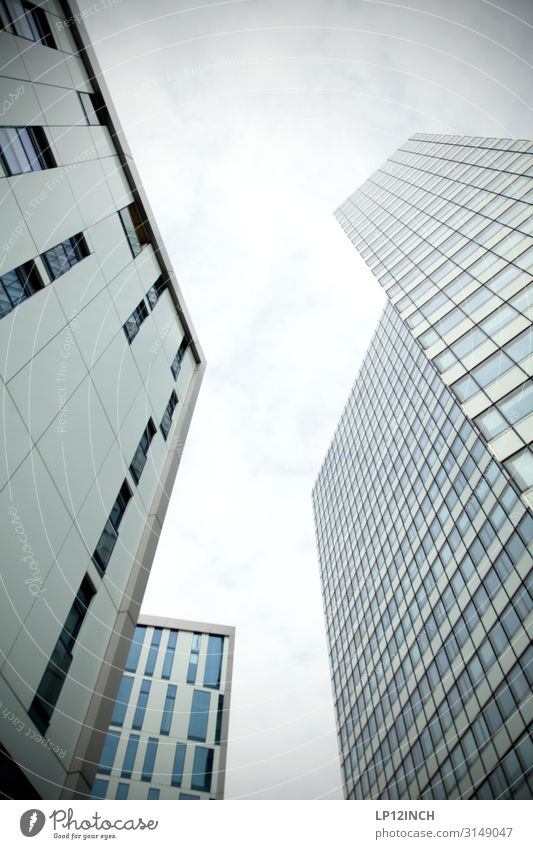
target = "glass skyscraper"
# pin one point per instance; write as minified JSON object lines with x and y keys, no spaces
{"x":423,"y":527}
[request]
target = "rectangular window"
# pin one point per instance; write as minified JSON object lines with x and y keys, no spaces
{"x":153,"y":294}
{"x":189,"y":797}
{"x":141,"y":452}
{"x":29,"y":21}
{"x":109,"y":751}
{"x":122,"y":790}
{"x":133,"y":323}
{"x":45,"y":699}
{"x":149,"y":759}
{"x":135,"y":649}
{"x":142,"y":701}
{"x":91,"y":107}
{"x":99,"y":788}
{"x":18,"y":285}
{"x":176,"y":362}
{"x":133,"y":228}
{"x":193,"y":659}
{"x":122,"y":700}
{"x":199,"y":716}
{"x":168,"y":710}
{"x":130,"y":755}
{"x":109,"y":536}
{"x":169,"y":655}
{"x":63,"y":257}
{"x":220,"y":717}
{"x":202,"y":771}
{"x":153,"y":793}
{"x":179,"y":762}
{"x":166,"y":421}
{"x":25,"y":149}
{"x":213,"y":664}
{"x":152,"y":654}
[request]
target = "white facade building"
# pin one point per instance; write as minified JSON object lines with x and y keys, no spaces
{"x":169,"y":729}
{"x":100,"y":369}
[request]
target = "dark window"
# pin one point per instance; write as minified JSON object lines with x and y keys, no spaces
{"x":176,"y":362}
{"x":142,"y":702}
{"x":169,"y":655}
{"x":91,"y":107}
{"x":99,"y":789}
{"x":17,"y":286}
{"x":149,"y":759}
{"x":109,"y":751}
{"x":199,"y":715}
{"x":168,"y":710}
{"x":122,"y":790}
{"x":213,"y":664}
{"x":48,"y":691}
{"x":189,"y":797}
{"x":152,"y":654}
{"x":130,"y":755}
{"x":141,"y":452}
{"x":122,"y":701}
{"x":29,"y":21}
{"x":193,"y":659}
{"x":220,"y":717}
{"x":179,"y":762}
{"x":153,"y":793}
{"x":133,"y":228}
{"x":133,"y":323}
{"x":109,"y":536}
{"x":135,"y":649}
{"x":25,"y":149}
{"x":153,"y":294}
{"x":202,"y":771}
{"x":63,"y":257}
{"x":166,"y":421}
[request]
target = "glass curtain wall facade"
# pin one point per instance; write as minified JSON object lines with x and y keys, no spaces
{"x":168,"y":734}
{"x":446,"y":226}
{"x":427,"y":588}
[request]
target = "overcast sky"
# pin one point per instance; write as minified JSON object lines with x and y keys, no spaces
{"x":250,"y":121}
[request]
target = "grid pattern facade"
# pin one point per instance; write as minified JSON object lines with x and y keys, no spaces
{"x":425,"y":556}
{"x":94,"y":417}
{"x":168,"y":733}
{"x":446,"y":225}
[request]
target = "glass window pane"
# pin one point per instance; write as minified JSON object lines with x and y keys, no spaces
{"x":149,"y":759}
{"x":213,"y":663}
{"x":179,"y":761}
{"x":130,"y":755}
{"x":109,"y":751}
{"x":202,"y":769}
{"x":123,"y":697}
{"x":199,"y":715}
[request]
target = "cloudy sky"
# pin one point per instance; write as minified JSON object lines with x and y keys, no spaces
{"x":250,"y":121}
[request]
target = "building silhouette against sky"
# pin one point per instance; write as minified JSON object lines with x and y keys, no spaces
{"x":169,"y":729}
{"x":423,"y":529}
{"x":100,"y":369}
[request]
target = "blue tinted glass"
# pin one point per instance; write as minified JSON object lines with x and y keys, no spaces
{"x":169,"y":655}
{"x":99,"y":788}
{"x":179,"y":761}
{"x":213,"y":663}
{"x":153,"y":793}
{"x":135,"y":649}
{"x":152,"y":654}
{"x":193,"y":660}
{"x":189,"y":796}
{"x":220,"y":716}
{"x":142,"y":701}
{"x":199,"y":715}
{"x":202,"y":770}
{"x":168,"y":710}
{"x":129,"y":757}
{"x":121,"y":704}
{"x":149,"y":759}
{"x":122,"y":790}
{"x":109,"y":751}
